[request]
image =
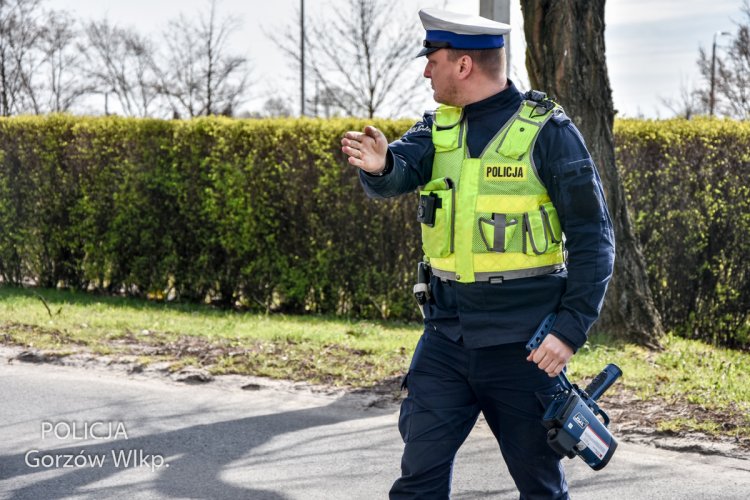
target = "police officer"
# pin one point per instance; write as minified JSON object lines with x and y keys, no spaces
{"x":514,"y":226}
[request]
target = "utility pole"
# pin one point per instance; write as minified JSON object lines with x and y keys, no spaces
{"x":302,"y":57}
{"x":711,"y":98}
{"x":498,"y":10}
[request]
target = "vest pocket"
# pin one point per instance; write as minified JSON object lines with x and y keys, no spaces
{"x":535,"y":240}
{"x":446,"y":128}
{"x":436,"y":215}
{"x":445,"y":139}
{"x":542,"y":232}
{"x":497,"y":232}
{"x":551,"y":222}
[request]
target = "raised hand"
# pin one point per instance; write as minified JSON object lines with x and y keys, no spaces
{"x":366,"y":150}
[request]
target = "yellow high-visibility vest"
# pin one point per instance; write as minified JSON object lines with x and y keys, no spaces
{"x":489,"y":218}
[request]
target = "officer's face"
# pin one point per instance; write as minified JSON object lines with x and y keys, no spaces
{"x":441,"y":71}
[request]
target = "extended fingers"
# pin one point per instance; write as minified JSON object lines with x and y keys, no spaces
{"x":354,"y":136}
{"x":363,"y":150}
{"x":356,"y":162}
{"x":352,"y":152}
{"x":351,"y":148}
{"x":353,"y":143}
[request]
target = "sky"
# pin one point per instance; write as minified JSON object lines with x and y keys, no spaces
{"x":651,"y":45}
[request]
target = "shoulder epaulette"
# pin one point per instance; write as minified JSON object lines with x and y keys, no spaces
{"x":559,"y":117}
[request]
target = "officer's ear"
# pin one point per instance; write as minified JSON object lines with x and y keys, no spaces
{"x":465,"y":66}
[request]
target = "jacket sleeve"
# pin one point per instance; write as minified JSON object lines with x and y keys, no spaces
{"x":408,"y":163}
{"x":574,"y":185}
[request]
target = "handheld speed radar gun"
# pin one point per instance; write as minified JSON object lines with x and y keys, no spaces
{"x":573,"y":417}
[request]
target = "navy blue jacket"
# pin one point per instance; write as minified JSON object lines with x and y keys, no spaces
{"x":483,"y":314}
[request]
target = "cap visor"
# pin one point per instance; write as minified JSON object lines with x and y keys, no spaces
{"x":427,"y":50}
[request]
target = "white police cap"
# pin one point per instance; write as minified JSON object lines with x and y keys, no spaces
{"x":460,"y":31}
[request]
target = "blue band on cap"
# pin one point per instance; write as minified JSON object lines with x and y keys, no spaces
{"x":466,"y":41}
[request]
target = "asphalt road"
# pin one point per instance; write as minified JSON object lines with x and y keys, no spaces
{"x":151,"y":438}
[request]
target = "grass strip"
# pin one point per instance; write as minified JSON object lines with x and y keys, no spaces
{"x":689,"y":386}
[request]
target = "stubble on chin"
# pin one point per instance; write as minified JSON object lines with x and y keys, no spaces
{"x":449,"y":97}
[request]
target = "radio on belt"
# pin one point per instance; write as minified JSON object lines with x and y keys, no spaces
{"x":572,"y":418}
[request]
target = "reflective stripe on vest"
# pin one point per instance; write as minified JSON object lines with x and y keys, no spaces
{"x":490,"y":218}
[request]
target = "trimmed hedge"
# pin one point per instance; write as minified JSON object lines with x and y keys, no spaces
{"x":263,"y":213}
{"x":267,"y":214}
{"x":687,"y":186}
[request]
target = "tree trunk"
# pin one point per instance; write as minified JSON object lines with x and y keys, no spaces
{"x":565,"y":57}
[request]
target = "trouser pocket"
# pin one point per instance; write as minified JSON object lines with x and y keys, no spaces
{"x":405,"y":415}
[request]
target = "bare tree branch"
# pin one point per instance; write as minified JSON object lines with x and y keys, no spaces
{"x":62,"y":63}
{"x":686,"y":104}
{"x":19,"y":33}
{"x":198,"y":76}
{"x":360,"y":57}
{"x":732,"y":77}
{"x":121,"y":62}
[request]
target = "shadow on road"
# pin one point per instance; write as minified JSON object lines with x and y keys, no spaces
{"x":197,"y":458}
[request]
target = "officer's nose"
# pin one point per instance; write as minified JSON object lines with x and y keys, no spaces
{"x":427,"y":73}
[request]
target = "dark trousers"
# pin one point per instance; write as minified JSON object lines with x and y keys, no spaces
{"x":448,"y":386}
